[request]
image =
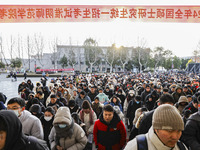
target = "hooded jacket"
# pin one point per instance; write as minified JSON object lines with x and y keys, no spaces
{"x":15,"y":139}
{"x":36,"y":108}
{"x":179,"y":106}
{"x":177,"y":95}
{"x":31,"y":125}
{"x":109,"y":136}
{"x":150,"y":104}
{"x":72,"y":137}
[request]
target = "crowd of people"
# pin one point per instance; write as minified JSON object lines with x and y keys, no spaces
{"x":104,"y":112}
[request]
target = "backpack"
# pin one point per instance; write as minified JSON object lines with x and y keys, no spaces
{"x":33,"y":143}
{"x":142,"y":143}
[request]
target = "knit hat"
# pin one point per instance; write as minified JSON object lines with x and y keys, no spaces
{"x":167,"y":117}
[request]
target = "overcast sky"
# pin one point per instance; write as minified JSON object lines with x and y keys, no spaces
{"x":181,"y":38}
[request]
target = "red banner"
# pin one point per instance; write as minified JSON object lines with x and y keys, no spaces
{"x":95,"y":13}
{"x":54,"y":70}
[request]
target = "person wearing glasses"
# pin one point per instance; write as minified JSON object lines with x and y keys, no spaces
{"x":31,"y":125}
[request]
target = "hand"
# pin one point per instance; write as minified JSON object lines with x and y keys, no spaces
{"x":59,"y":147}
{"x":150,"y":99}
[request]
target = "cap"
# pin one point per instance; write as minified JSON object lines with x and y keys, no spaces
{"x":167,"y":117}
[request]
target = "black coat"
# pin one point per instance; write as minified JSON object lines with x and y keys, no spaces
{"x":191,"y":134}
{"x":132,"y":107}
{"x":146,"y":122}
{"x":47,"y":126}
{"x":92,"y":95}
{"x":15,"y":138}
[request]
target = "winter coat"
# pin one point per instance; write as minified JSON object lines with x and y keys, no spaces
{"x":47,"y":93}
{"x":109,"y":136}
{"x":109,"y":93}
{"x":36,"y":108}
{"x":127,"y":100}
{"x":191,"y":134}
{"x":132,"y":107}
{"x":79,"y":100}
{"x":180,"y":107}
{"x":102,"y":98}
{"x":153,"y":143}
{"x":22,"y":86}
{"x":15,"y":138}
{"x":47,"y":126}
{"x":191,"y":107}
{"x":86,"y":120}
{"x":97,"y":107}
{"x":31,"y":125}
{"x":71,"y":137}
{"x":122,"y":98}
{"x":150,"y":104}
{"x":92,"y":95}
{"x":144,"y":94}
{"x":57,"y":102}
{"x":73,"y":107}
{"x":176,"y":95}
{"x":146,"y":122}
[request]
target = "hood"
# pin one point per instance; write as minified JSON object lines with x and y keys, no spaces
{"x":14,"y":133}
{"x":36,"y":108}
{"x":183,"y":99}
{"x":178,"y":87}
{"x":118,"y":99}
{"x":63,"y":116}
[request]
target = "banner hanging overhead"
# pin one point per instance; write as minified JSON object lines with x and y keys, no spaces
{"x":98,"y":13}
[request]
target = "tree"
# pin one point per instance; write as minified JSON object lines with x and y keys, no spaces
{"x":2,"y":65}
{"x":71,"y":56}
{"x":160,"y":55}
{"x":91,"y":52}
{"x":123,"y":56}
{"x":63,"y":61}
{"x":39,"y":45}
{"x":111,"y":56}
{"x":53,"y":47}
{"x":196,"y":55}
{"x":16,"y":63}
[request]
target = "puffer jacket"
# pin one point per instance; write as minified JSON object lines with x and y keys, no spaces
{"x":31,"y":125}
{"x":191,"y":134}
{"x":73,"y":138}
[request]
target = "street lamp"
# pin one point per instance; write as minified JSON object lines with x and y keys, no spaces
{"x":172,"y":63}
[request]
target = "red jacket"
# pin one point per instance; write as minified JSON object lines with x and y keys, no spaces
{"x":109,"y":136}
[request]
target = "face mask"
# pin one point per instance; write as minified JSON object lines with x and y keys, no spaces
{"x":137,"y":102}
{"x":62,"y":126}
{"x":47,"y":118}
{"x":16,"y":112}
{"x":65,"y":92}
{"x":131,"y":94}
{"x":119,"y":94}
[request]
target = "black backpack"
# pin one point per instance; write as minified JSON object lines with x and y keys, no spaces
{"x":33,"y":143}
{"x":142,"y":143}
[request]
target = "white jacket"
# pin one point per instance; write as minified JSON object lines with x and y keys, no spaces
{"x":153,"y":143}
{"x":89,"y":128}
{"x":31,"y":125}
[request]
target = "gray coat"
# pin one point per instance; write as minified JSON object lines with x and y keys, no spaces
{"x":31,"y":125}
{"x":78,"y":139}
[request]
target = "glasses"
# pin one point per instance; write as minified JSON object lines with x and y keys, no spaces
{"x":14,"y":108}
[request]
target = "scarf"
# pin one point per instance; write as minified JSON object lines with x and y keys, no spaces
{"x":91,"y":116}
{"x":65,"y":132}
